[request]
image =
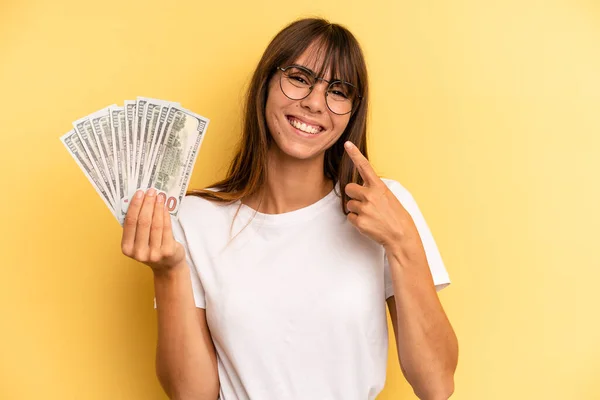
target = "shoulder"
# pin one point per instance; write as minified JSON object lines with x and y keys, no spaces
{"x":403,"y":195}
{"x":399,"y":190}
{"x":200,"y":211}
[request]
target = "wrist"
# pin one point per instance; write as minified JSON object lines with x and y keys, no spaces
{"x":406,"y":254}
{"x":170,"y":272}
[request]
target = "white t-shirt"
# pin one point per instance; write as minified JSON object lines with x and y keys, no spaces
{"x":296,"y":303}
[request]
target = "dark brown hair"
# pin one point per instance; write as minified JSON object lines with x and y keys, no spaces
{"x":339,"y":50}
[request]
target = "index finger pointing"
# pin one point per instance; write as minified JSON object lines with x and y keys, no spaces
{"x":363,"y":165}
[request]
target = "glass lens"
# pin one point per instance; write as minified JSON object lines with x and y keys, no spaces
{"x":296,"y":83}
{"x":341,"y":97}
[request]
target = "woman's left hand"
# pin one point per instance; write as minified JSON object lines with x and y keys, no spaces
{"x":374,"y":209}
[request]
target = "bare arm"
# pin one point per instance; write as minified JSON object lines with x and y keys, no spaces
{"x":186,"y":362}
{"x":427,"y":345}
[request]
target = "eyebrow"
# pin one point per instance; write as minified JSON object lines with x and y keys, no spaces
{"x":315,"y":74}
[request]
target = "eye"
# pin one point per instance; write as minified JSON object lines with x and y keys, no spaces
{"x":339,"y":93}
{"x":299,"y":79}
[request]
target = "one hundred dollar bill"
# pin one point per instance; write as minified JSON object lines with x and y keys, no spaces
{"x":146,"y":143}
{"x":117,"y":126}
{"x":92,"y":146}
{"x":100,"y":121}
{"x":75,"y":147}
{"x":140,"y":151}
{"x":159,"y":112}
{"x":130,"y":112}
{"x":182,"y":136}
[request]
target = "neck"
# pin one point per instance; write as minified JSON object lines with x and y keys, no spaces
{"x":291,"y":184}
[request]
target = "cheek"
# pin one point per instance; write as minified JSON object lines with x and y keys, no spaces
{"x":273,"y":123}
{"x":276,"y":128}
{"x":340,"y":124}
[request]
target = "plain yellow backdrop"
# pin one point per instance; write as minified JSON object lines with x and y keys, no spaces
{"x":487,"y":111}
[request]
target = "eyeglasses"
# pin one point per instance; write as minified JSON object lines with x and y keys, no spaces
{"x":297,"y":82}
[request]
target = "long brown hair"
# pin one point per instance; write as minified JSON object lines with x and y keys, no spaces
{"x":341,"y":52}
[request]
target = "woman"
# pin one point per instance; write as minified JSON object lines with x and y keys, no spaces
{"x":271,"y":283}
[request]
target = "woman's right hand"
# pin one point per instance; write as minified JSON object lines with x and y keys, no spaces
{"x":147,"y":233}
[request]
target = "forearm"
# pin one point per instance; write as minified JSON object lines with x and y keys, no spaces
{"x":185,"y":363}
{"x":427,"y":345}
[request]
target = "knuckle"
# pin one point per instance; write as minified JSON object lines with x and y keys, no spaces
{"x":352,"y":218}
{"x":156,"y":227}
{"x":141,"y":255}
{"x":127,"y":249}
{"x":155,"y":256}
{"x":168,"y":253}
{"x":130,"y":221}
{"x":360,"y":223}
{"x":144,"y":222}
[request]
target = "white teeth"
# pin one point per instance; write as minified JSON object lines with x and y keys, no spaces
{"x":303,"y":127}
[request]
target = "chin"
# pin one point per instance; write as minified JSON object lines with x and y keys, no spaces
{"x":298,"y":151}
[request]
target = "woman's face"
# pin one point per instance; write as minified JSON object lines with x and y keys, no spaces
{"x":285,"y":117}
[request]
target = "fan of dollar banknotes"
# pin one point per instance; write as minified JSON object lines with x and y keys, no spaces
{"x":147,"y":143}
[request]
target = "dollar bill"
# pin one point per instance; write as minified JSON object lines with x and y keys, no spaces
{"x":146,"y":143}
{"x":163,"y":127}
{"x":159,"y":113}
{"x":117,"y":126}
{"x":152,"y":112}
{"x":90,"y":142}
{"x":100,"y":121}
{"x":183,"y":133}
{"x":139,"y":140}
{"x":130,"y":112}
{"x":149,"y":126}
{"x":74,"y":145}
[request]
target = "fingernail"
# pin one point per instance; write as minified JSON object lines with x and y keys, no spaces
{"x":151,"y":192}
{"x":139,"y":194}
{"x":348,"y":144}
{"x":161,"y":197}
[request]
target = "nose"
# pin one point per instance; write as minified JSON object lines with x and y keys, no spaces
{"x":315,"y":102}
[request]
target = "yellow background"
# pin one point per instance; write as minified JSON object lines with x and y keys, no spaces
{"x":487,"y":111}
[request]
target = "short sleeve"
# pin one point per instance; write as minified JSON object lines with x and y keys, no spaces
{"x":198,"y":290}
{"x":434,"y":258}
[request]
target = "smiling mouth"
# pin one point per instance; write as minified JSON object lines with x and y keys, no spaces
{"x":301,"y":126}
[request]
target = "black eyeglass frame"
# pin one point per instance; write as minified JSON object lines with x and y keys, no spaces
{"x":311,"y":87}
